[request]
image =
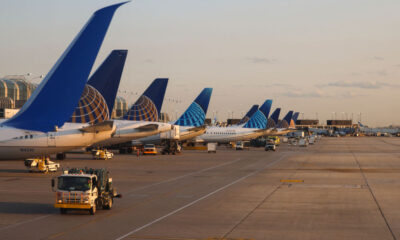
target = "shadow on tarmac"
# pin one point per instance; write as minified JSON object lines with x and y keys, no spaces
{"x":26,"y":208}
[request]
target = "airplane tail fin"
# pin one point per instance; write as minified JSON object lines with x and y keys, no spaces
{"x":294,"y":119}
{"x":98,"y":98}
{"x":260,"y":117}
{"x":148,"y":106}
{"x":266,"y":108}
{"x":196,"y":112}
{"x":258,"y":120}
{"x":273,"y":120}
{"x":285,"y":123}
{"x":56,"y":96}
{"x":248,"y":115}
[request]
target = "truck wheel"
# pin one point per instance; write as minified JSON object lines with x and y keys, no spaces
{"x":92,"y":211}
{"x":63,"y":210}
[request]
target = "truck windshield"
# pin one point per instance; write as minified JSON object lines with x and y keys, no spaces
{"x":74,"y":183}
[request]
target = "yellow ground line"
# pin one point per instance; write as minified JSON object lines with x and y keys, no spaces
{"x":292,"y":180}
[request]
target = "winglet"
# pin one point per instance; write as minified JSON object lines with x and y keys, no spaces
{"x":195,"y":115}
{"x":55,"y":98}
{"x":148,"y":106}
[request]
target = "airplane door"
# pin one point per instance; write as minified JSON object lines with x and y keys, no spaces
{"x":51,"y":139}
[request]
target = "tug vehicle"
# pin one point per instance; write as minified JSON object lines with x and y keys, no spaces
{"x":42,"y":164}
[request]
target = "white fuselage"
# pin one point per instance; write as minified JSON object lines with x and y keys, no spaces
{"x":229,"y":134}
{"x":20,"y":144}
{"x":127,"y":130}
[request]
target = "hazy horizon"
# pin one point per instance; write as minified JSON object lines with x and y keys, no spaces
{"x":315,"y":57}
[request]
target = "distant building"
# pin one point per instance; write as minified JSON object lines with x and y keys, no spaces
{"x":164,"y":117}
{"x":233,"y":121}
{"x":343,"y":123}
{"x":120,"y":107}
{"x":15,"y":90}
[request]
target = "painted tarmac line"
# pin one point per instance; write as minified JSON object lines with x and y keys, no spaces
{"x":183,"y":176}
{"x":199,"y":199}
{"x":20,"y":223}
{"x":138,"y":189}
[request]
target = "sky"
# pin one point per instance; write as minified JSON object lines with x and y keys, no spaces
{"x":323,"y":58}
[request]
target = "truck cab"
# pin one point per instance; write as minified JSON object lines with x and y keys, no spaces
{"x":84,"y":189}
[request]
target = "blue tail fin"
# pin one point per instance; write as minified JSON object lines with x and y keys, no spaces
{"x":258,"y":120}
{"x":294,"y":120}
{"x":248,"y":115}
{"x":196,"y":112}
{"x":57,"y":95}
{"x":107,"y":77}
{"x":148,"y":106}
{"x":285,"y":123}
{"x":266,"y":108}
{"x":98,"y":98}
{"x":295,"y":117}
{"x":260,"y":117}
{"x":273,"y":120}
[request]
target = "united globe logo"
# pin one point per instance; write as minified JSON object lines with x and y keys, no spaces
{"x":143,"y":110}
{"x":92,"y":108}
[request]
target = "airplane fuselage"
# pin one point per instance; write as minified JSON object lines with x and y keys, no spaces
{"x":229,"y":134}
{"x":20,"y":144}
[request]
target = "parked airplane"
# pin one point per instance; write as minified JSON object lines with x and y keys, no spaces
{"x":191,"y":122}
{"x":142,"y":119}
{"x":254,"y":128}
{"x":38,"y":128}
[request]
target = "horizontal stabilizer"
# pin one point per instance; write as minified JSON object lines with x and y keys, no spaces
{"x":195,"y":129}
{"x":99,"y":127}
{"x":148,"y":128}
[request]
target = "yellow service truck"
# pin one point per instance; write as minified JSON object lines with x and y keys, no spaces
{"x":276,"y":139}
{"x":84,"y":189}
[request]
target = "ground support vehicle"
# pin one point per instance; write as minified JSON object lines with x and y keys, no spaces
{"x":239,"y":145}
{"x":276,"y":139}
{"x":303,"y":142}
{"x":42,"y":164}
{"x":270,"y":145}
{"x":149,"y":149}
{"x":84,"y":189}
{"x":171,"y":147}
{"x":103,"y":154}
{"x":211,"y":147}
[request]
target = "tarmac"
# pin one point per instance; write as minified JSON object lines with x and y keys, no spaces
{"x":339,"y":188}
